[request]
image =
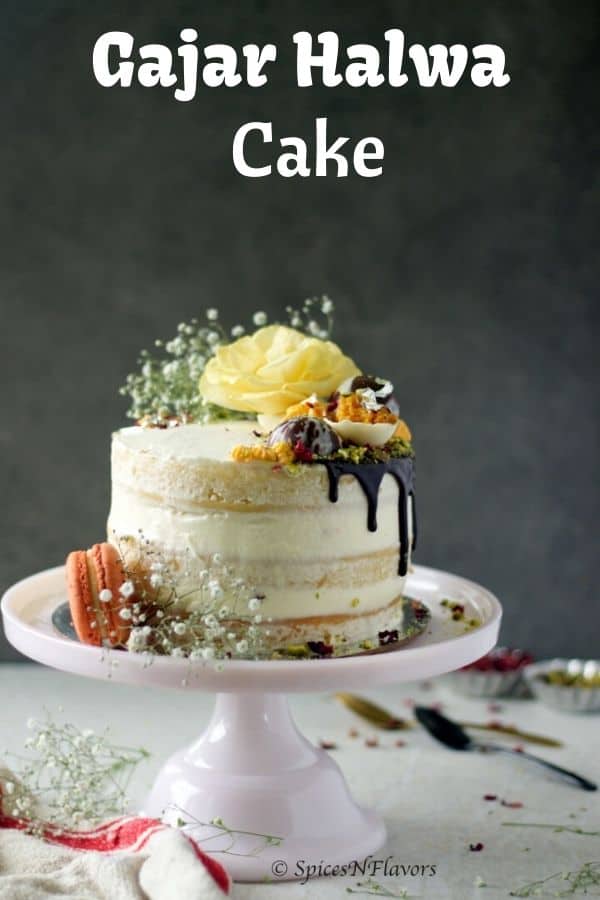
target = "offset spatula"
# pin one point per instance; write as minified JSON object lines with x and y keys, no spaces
{"x":455,"y":737}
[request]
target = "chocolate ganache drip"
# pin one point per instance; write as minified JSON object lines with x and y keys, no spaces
{"x":370,"y":476}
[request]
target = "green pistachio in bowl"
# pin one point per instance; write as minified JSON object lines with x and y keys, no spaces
{"x":570,"y":685}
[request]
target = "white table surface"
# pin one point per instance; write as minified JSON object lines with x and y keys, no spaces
{"x":431,"y":798}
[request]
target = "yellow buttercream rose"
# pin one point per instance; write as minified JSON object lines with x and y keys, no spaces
{"x":273,"y":368}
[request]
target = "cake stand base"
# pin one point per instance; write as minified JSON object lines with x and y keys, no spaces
{"x":282,"y":804}
{"x":279,"y":801}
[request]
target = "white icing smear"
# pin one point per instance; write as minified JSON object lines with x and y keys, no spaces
{"x":191,"y":442}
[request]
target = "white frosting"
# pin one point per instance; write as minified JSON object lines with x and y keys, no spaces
{"x":308,"y":556}
{"x":191,"y":442}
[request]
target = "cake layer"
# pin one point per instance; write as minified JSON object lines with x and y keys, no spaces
{"x":278,"y":531}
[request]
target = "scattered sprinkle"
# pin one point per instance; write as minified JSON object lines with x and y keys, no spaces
{"x":476,"y":848}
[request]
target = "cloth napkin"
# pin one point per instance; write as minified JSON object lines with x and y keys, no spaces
{"x":129,"y":858}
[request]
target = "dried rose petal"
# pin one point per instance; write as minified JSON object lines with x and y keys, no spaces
{"x":372,"y":742}
{"x":512,"y":804}
{"x":490,"y":796}
{"x":476,"y":847}
{"x":320,"y":648}
{"x":327,"y":745}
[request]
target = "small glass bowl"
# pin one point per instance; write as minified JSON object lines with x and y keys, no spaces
{"x":497,"y":674}
{"x":566,"y":697}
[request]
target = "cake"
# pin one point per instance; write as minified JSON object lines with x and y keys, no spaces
{"x":301,"y":501}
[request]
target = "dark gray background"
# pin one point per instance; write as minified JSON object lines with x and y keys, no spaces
{"x":467,"y":273}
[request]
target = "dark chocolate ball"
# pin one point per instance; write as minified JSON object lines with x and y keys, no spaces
{"x":314,"y":434}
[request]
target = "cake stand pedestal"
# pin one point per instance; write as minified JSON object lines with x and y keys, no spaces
{"x":276,"y":798}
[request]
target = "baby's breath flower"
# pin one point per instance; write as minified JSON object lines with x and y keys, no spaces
{"x":105,"y":595}
{"x":127,"y":589}
{"x":192,"y":621}
{"x":215,"y":589}
{"x":125,"y":613}
{"x":164,"y":391}
{"x":156,"y":580}
{"x":72,"y":777}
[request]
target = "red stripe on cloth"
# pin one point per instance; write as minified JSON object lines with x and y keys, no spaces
{"x":119,"y":835}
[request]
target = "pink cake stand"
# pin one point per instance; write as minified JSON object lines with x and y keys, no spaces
{"x":251,"y":768}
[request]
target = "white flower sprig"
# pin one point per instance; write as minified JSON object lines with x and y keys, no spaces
{"x":219,"y":829}
{"x":164,"y":391}
{"x":210,"y":614}
{"x":69,"y":777}
{"x":315,"y":317}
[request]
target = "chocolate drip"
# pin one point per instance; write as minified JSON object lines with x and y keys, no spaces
{"x":370,"y":476}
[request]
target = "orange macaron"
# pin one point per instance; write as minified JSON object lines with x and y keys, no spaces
{"x":95,"y":578}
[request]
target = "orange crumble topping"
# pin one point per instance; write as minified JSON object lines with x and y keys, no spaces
{"x":403,"y":431}
{"x":306,"y":408}
{"x":349,"y":408}
{"x":279,"y":453}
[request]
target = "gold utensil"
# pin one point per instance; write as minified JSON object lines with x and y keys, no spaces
{"x":381,"y":718}
{"x":373,"y":713}
{"x":511,"y":731}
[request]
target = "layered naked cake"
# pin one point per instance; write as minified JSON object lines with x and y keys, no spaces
{"x":262,"y":504}
{"x":319,"y":544}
